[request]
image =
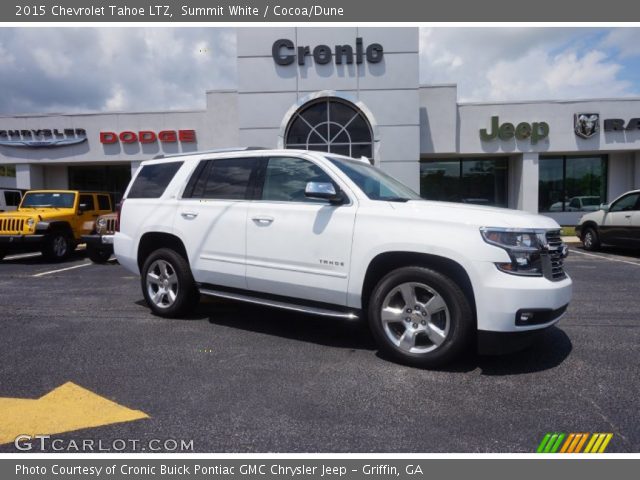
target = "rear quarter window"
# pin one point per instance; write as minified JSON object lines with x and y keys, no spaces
{"x":152,"y":180}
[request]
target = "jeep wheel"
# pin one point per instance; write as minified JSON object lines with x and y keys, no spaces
{"x":167,"y":284}
{"x":420,"y":317}
{"x":2,"y":254}
{"x":590,"y":240}
{"x":57,"y":246}
{"x":98,"y":255}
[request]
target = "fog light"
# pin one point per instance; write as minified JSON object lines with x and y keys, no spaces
{"x":526,"y":317}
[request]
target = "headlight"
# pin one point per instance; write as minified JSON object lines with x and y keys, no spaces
{"x":101,"y":224}
{"x":523,"y":246}
{"x":30,"y":222}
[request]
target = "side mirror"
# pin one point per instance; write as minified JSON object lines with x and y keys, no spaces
{"x":604,"y":207}
{"x":324,"y":191}
{"x":82,"y":208}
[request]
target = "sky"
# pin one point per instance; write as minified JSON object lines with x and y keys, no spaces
{"x":45,"y":70}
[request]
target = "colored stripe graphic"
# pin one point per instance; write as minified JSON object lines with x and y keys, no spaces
{"x":554,"y":442}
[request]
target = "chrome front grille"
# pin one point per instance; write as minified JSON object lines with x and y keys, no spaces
{"x":10,"y":225}
{"x":556,"y":255}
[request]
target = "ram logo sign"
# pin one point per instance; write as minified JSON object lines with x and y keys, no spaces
{"x":586,"y":125}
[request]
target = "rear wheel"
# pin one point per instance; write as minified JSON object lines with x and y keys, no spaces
{"x":168,"y":285}
{"x":57,"y":246}
{"x":2,"y":254}
{"x":420,"y":317}
{"x":590,"y":239}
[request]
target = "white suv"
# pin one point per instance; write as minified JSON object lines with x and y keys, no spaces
{"x":329,"y":235}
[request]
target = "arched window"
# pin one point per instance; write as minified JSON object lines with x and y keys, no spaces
{"x":330,"y":125}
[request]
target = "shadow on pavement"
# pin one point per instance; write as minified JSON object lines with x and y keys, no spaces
{"x":546,"y":352}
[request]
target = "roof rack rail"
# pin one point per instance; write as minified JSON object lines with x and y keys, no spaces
{"x":215,"y":150}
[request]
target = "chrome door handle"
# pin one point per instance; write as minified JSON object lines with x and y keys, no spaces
{"x":189,"y":215}
{"x":627,"y":216}
{"x":263,"y":220}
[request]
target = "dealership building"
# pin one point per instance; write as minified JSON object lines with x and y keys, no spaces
{"x":353,"y":91}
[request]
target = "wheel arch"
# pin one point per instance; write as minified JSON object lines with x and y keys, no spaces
{"x":151,"y":241}
{"x":385,"y":262}
{"x":589,"y":224}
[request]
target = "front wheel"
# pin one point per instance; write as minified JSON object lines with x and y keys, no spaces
{"x":167,"y":284}
{"x":420,"y":317}
{"x":98,"y":255}
{"x":57,"y":246}
{"x":590,"y":240}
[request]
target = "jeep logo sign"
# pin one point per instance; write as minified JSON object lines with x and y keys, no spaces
{"x":536,"y":131}
{"x":284,"y":52}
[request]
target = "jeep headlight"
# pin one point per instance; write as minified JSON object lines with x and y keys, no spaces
{"x":523,"y":246}
{"x":101,"y":224}
{"x":30,"y":222}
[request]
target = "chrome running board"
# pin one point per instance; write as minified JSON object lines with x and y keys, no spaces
{"x":324,"y":312}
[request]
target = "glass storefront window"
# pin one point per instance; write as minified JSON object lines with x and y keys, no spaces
{"x":8,"y":171}
{"x":572,"y":184}
{"x":481,"y":181}
{"x":112,"y":179}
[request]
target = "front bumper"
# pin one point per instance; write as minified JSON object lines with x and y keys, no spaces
{"x":102,"y":242}
{"x":20,"y":242}
{"x":501,"y":297}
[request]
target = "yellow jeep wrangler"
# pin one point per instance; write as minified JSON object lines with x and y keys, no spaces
{"x":52,"y":221}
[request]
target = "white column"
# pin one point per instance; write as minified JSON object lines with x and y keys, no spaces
{"x":523,"y":182}
{"x":134,"y":167}
{"x":29,"y":176}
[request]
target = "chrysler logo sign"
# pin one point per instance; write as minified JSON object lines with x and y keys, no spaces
{"x":43,"y":138}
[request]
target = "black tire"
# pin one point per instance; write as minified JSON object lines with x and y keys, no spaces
{"x":2,"y":254}
{"x":58,"y":246}
{"x":185,"y":294}
{"x":457,"y":314}
{"x":590,"y":239}
{"x":98,"y":255}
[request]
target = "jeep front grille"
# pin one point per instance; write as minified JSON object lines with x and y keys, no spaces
{"x":10,"y":225}
{"x":111,"y":225}
{"x":555,"y":268}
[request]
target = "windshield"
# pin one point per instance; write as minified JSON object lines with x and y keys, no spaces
{"x":49,"y":199}
{"x":375,"y":184}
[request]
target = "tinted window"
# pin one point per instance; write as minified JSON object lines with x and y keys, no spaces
{"x":626,"y":203}
{"x":104,"y":203}
{"x":87,"y":200}
{"x":12,"y":199}
{"x":227,"y":179}
{"x":286,"y":179}
{"x":152,"y":180}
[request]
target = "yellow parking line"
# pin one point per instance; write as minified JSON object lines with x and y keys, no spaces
{"x":61,"y":270}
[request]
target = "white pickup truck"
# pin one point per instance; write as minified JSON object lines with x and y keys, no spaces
{"x":329,"y":235}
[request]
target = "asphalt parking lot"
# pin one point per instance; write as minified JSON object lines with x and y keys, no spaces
{"x":237,"y":378}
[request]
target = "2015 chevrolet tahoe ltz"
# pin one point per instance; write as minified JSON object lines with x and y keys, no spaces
{"x":329,"y":235}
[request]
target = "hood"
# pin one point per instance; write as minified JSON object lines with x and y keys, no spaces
{"x":44,"y":213}
{"x":473,"y":215}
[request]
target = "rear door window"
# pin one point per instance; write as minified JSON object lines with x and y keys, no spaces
{"x":223,"y":179}
{"x":104,"y":202}
{"x":153,"y":180}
